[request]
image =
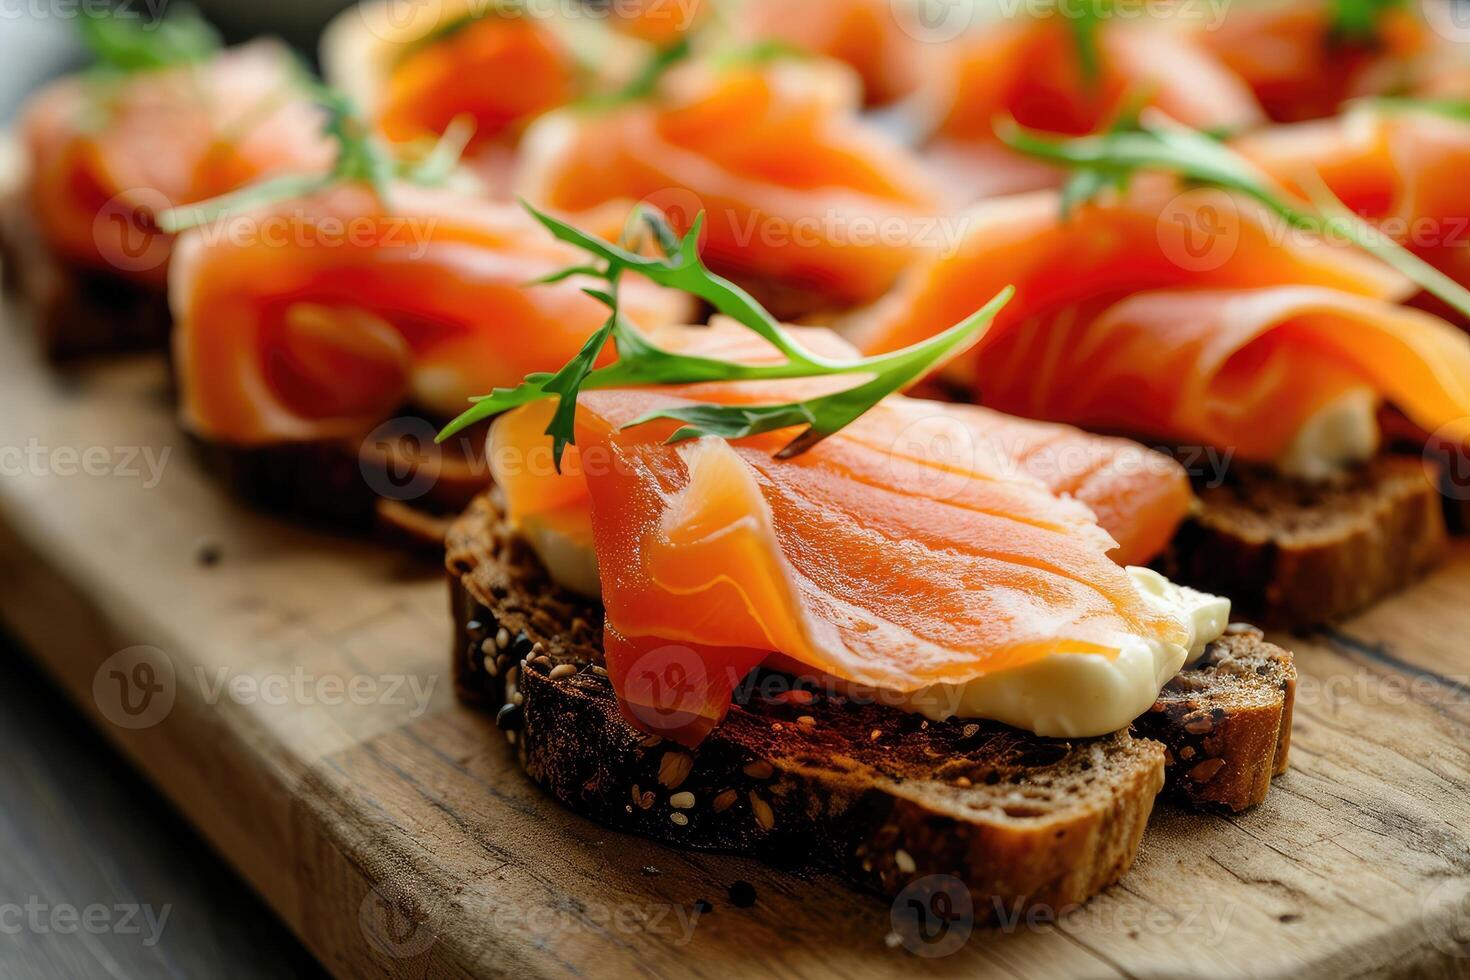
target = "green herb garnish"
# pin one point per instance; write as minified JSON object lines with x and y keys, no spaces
{"x":1110,"y":160}
{"x":1085,"y":25}
{"x":361,"y":158}
{"x":646,"y":82}
{"x":641,"y":363}
{"x":1456,"y":109}
{"x":1358,"y":21}
{"x":121,"y":45}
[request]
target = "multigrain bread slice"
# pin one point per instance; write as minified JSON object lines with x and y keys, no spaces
{"x":1295,"y":554}
{"x":799,"y":776}
{"x":1226,"y":722}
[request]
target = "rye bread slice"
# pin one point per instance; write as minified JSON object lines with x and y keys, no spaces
{"x":78,"y":312}
{"x":394,"y":483}
{"x":878,"y":796}
{"x":1294,"y":554}
{"x":1226,"y":722}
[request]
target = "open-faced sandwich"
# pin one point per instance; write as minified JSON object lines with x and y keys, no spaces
{"x":736,"y":592}
{"x":325,"y":329}
{"x":807,"y":204}
{"x":1218,"y":314}
{"x":164,"y":118}
{"x":415,"y":69}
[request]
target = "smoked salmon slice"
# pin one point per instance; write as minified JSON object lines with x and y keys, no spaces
{"x":417,"y":68}
{"x":876,"y":38}
{"x":1157,"y":236}
{"x":1302,"y":63}
{"x":1030,"y":69}
{"x":318,"y":318}
{"x":1401,"y":169}
{"x":1245,"y":369}
{"x":881,"y":558}
{"x":1139,"y":496}
{"x":805,"y":204}
{"x":106,"y":158}
{"x":1242,"y":343}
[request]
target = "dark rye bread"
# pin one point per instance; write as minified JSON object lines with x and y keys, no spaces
{"x":1295,"y":554}
{"x":78,"y":312}
{"x":795,"y":775}
{"x":394,"y":483}
{"x":1226,"y":722}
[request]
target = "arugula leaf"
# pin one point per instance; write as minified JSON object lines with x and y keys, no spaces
{"x":122,"y":44}
{"x":1116,"y":156}
{"x":640,"y":362}
{"x":1086,"y":23}
{"x":1456,"y":109}
{"x":361,"y":157}
{"x":646,"y":82}
{"x":1358,"y":21}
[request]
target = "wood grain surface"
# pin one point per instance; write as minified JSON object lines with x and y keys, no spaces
{"x":100,"y":877}
{"x":395,"y":834}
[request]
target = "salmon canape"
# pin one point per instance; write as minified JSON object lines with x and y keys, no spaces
{"x":1189,"y":317}
{"x":807,"y":205}
{"x":1304,"y":58}
{"x":1054,"y":74}
{"x":415,"y":69}
{"x":106,"y":153}
{"x":305,"y":325}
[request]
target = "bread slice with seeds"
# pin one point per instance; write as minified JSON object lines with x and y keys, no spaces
{"x":1296,"y":554}
{"x":802,"y":778}
{"x":1226,"y":722}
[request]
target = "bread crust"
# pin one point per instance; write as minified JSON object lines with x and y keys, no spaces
{"x":1293,"y":555}
{"x":389,"y":484}
{"x":78,"y":312}
{"x":1226,"y":722}
{"x":878,"y":796}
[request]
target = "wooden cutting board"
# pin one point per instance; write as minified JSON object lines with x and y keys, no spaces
{"x":293,"y":699}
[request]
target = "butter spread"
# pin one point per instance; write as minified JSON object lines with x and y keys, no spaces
{"x":1342,"y":433}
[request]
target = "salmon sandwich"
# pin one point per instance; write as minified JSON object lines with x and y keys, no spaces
{"x":735,"y":590}
{"x":164,"y":118}
{"x":1217,"y":315}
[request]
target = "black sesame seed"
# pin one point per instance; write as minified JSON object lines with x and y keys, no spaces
{"x":209,"y":554}
{"x":701,"y":906}
{"x":649,"y":871}
{"x":521,"y":645}
{"x":475,"y":628}
{"x":509,"y":718}
{"x":742,"y":894}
